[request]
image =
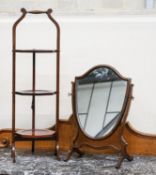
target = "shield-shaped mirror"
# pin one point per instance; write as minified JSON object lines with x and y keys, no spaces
{"x":100,"y":97}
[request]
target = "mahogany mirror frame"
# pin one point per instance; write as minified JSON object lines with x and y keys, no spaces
{"x":114,"y":140}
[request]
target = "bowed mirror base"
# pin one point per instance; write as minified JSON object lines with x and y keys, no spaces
{"x":101,"y":100}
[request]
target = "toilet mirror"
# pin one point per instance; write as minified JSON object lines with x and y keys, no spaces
{"x":101,"y":100}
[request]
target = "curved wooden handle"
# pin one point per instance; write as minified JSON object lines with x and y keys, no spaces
{"x":23,"y":10}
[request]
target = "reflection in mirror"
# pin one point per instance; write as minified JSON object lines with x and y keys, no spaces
{"x":99,"y":101}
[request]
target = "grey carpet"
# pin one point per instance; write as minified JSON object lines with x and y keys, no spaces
{"x":45,"y":163}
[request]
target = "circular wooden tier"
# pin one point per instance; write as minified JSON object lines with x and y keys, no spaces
{"x":37,"y":133}
{"x":36,"y":92}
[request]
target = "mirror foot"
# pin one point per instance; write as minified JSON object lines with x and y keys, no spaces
{"x":129,"y":158}
{"x":79,"y":152}
{"x":121,"y":159}
{"x":69,"y":155}
{"x":118,"y":165}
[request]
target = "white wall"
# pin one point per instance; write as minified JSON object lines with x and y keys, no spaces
{"x":78,"y":6}
{"x":126,"y":42}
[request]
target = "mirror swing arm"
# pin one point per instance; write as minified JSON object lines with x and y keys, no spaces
{"x":114,"y":139}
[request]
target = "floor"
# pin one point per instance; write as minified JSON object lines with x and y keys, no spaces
{"x":45,"y":163}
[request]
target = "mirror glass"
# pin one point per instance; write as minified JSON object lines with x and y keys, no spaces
{"x":100,"y":97}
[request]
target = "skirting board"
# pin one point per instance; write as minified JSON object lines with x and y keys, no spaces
{"x":138,"y":143}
